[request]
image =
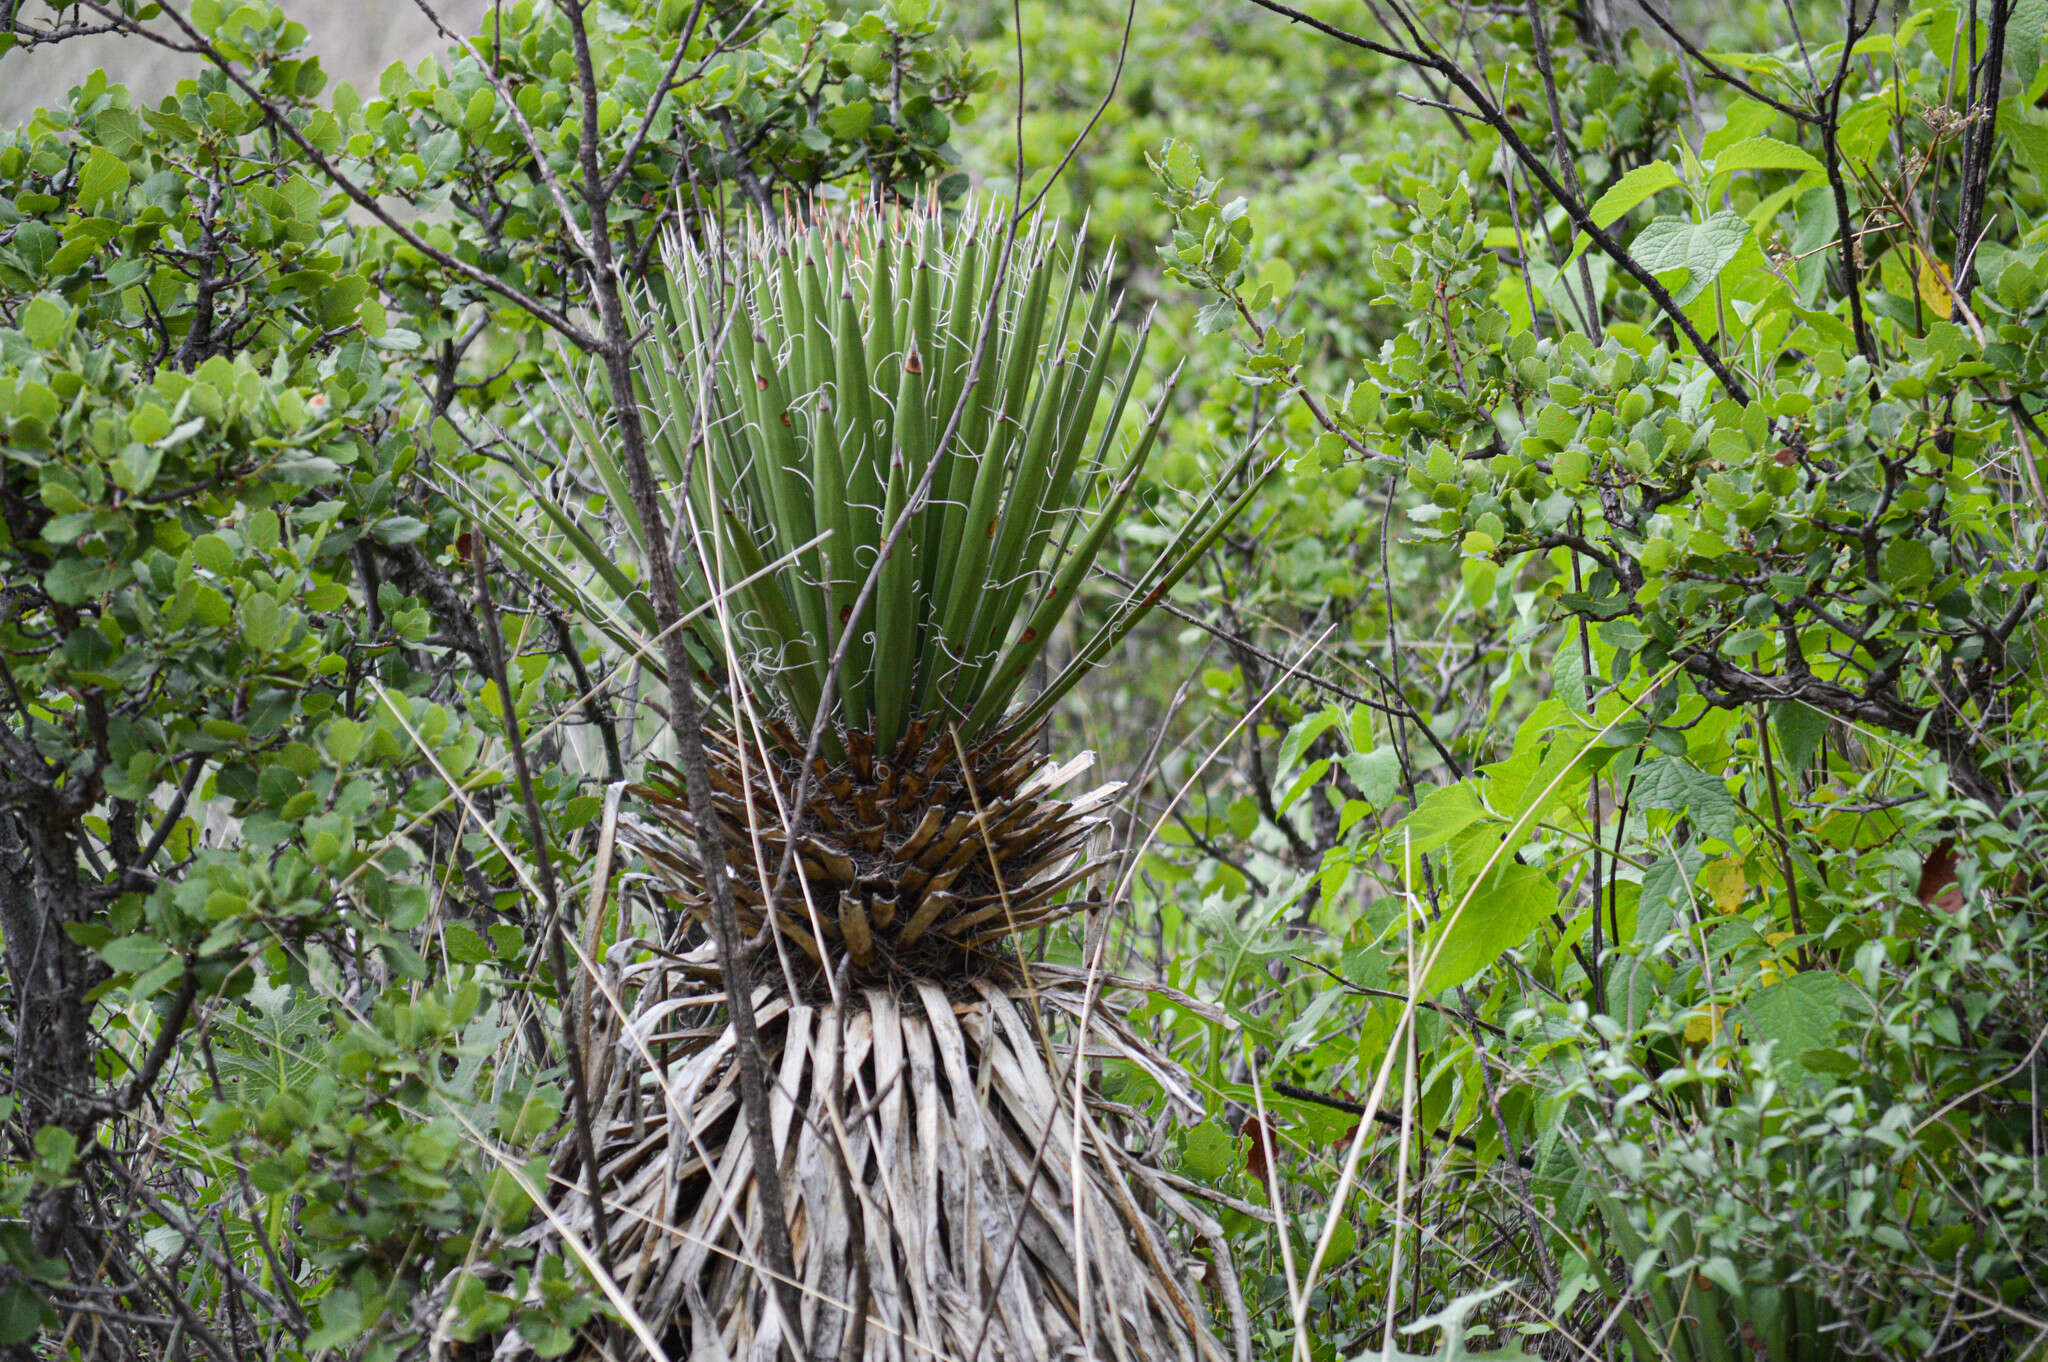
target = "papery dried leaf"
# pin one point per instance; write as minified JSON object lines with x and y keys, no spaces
{"x":1938,"y":886}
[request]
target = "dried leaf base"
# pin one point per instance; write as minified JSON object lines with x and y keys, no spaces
{"x":955,"y":1137}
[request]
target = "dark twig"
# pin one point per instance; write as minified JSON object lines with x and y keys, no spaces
{"x":1385,"y":1118}
{"x":616,"y":347}
{"x":544,"y":865}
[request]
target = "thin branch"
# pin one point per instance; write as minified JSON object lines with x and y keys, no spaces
{"x":616,"y":348}
{"x":1722,"y":73}
{"x":1491,"y":114}
{"x":572,"y":1050}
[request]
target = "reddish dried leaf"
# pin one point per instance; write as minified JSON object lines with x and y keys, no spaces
{"x":1938,"y":887}
{"x":1261,"y":1143}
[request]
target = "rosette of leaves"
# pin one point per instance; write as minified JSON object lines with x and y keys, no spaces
{"x":896,"y":443}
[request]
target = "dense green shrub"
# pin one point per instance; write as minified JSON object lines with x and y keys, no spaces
{"x":275,"y":995}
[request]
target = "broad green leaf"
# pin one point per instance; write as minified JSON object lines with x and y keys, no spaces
{"x":43,"y":321}
{"x":1764,"y":153}
{"x":2026,"y":35}
{"x":101,"y":177}
{"x":1303,"y":783}
{"x":1443,"y":814}
{"x":1302,"y":734}
{"x":1208,"y":1151}
{"x":466,"y":946}
{"x":1631,"y":189}
{"x":56,"y":1150}
{"x":1701,"y":249}
{"x":1674,"y":783}
{"x":2027,"y":133}
{"x":1538,"y":777}
{"x":1377,"y":774}
{"x":21,"y":1314}
{"x":1743,"y":119}
{"x":74,"y":581}
{"x":1799,"y":1014}
{"x":850,"y":121}
{"x":1512,"y":903}
{"x":1662,"y":906}
{"x":1568,"y":676}
{"x":1800,"y":730}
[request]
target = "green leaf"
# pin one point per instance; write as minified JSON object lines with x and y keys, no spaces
{"x":1568,"y":676}
{"x":21,"y":1312}
{"x":2028,"y":136}
{"x":1799,"y":1014}
{"x":399,"y":529}
{"x":101,"y":177}
{"x":1443,"y":814}
{"x":1701,"y":249}
{"x":1512,"y":903}
{"x":1721,"y":1272}
{"x":2026,"y":35}
{"x":1908,"y":563}
{"x":1675,"y":784}
{"x":850,"y":121}
{"x":466,"y":946}
{"x":339,"y":1318}
{"x":1662,"y":905}
{"x":74,"y":581}
{"x":1631,"y":189}
{"x":1208,"y":1152}
{"x":133,"y":954}
{"x":1764,"y":153}
{"x":56,"y":1151}
{"x":1377,"y":774}
{"x":1450,"y":1322}
{"x":1742,"y":119}
{"x":1302,"y":734}
{"x":43,"y":321}
{"x":1800,"y":729}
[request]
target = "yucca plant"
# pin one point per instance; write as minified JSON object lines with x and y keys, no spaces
{"x":900,"y":443}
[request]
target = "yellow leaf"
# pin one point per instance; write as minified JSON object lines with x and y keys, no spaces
{"x":1934,"y":287}
{"x":1726,"y":883}
{"x":1778,"y":966}
{"x":1703,"y":1025}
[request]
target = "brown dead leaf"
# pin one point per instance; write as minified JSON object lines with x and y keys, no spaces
{"x":1938,"y":887}
{"x":1261,"y":1142}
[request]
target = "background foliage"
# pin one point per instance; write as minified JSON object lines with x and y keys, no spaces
{"x":1598,"y":776}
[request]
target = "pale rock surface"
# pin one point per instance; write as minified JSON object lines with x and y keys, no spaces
{"x":356,"y":40}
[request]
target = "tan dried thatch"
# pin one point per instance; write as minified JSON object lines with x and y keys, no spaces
{"x":957,"y":1138}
